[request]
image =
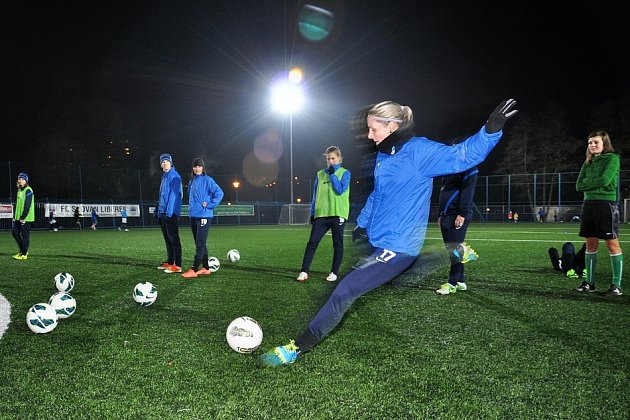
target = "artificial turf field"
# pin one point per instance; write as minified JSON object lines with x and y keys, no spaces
{"x":518,"y":344}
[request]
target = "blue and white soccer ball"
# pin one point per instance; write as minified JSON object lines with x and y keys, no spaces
{"x":63,"y":303}
{"x":145,"y":293}
{"x":41,"y":318}
{"x":213,"y":264}
{"x":64,"y":282}
{"x":244,"y":334}
{"x":233,"y":255}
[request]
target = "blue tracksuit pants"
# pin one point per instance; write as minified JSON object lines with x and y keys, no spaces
{"x":373,"y":271}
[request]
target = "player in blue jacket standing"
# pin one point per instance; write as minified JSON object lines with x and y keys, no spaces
{"x":169,"y":209}
{"x":204,"y":194}
{"x":456,"y":210}
{"x":396,"y":213}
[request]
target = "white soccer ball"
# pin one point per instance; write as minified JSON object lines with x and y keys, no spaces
{"x":41,"y":318}
{"x":63,"y":303}
{"x":244,"y":334}
{"x":213,"y":264}
{"x":233,"y":255}
{"x":145,"y":293}
{"x":64,"y":282}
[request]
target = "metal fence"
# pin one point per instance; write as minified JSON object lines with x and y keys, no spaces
{"x":495,"y":195}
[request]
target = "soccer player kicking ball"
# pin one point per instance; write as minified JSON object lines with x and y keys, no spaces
{"x":403,"y":180}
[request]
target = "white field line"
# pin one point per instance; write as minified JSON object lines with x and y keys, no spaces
{"x":471,"y":238}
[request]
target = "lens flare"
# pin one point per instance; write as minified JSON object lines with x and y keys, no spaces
{"x":257,"y":173}
{"x":268,"y":147}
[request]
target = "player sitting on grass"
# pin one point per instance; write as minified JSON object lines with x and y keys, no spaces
{"x":570,"y":263}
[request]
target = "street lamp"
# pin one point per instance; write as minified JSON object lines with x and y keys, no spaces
{"x":236,"y":184}
{"x":287,"y":97}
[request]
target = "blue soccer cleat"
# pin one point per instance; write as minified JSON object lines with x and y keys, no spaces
{"x":281,"y":355}
{"x":464,"y":253}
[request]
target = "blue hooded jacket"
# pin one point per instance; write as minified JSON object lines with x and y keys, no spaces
{"x":202,"y":188}
{"x":456,"y":195}
{"x":396,"y":212}
{"x":170,"y":194}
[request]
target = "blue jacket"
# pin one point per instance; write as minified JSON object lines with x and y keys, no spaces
{"x":396,"y":212}
{"x":170,"y":194}
{"x":456,"y":195}
{"x":202,"y":188}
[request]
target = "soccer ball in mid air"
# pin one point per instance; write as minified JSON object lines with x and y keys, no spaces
{"x":233,"y":255}
{"x":145,"y":293}
{"x":63,"y":303}
{"x":213,"y":264}
{"x":64,"y":282}
{"x":244,"y":334}
{"x":41,"y":318}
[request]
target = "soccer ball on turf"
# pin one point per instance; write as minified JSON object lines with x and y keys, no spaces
{"x":41,"y":318}
{"x":64,"y":282}
{"x":233,"y":255}
{"x":213,"y":264}
{"x":145,"y":293}
{"x":244,"y":334}
{"x":63,"y":303}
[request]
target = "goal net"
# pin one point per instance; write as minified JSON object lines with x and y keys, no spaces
{"x":295,"y":214}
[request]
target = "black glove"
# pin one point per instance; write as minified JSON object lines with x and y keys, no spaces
{"x":312,"y":218}
{"x":331,"y":170}
{"x":359,"y":234}
{"x":500,"y":115}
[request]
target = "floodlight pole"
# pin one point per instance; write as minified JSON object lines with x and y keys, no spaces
{"x":291,"y":166}
{"x":291,"y":151}
{"x":286,"y":98}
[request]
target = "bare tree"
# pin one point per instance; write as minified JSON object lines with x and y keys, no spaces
{"x":540,"y":145}
{"x":613,"y":116}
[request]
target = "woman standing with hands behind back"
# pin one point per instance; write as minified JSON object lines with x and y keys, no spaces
{"x":598,"y":180}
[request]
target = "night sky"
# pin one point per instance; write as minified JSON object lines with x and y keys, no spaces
{"x":193,"y":78}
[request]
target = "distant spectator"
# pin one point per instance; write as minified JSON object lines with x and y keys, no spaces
{"x":123,"y":219}
{"x":510,"y":215}
{"x":77,"y":218}
{"x":515,"y":217}
{"x":51,"y":219}
{"x":541,"y":215}
{"x":94,"y":219}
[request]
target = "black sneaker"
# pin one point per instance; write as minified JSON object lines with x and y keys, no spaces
{"x":614,"y":291}
{"x":586,"y":287}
